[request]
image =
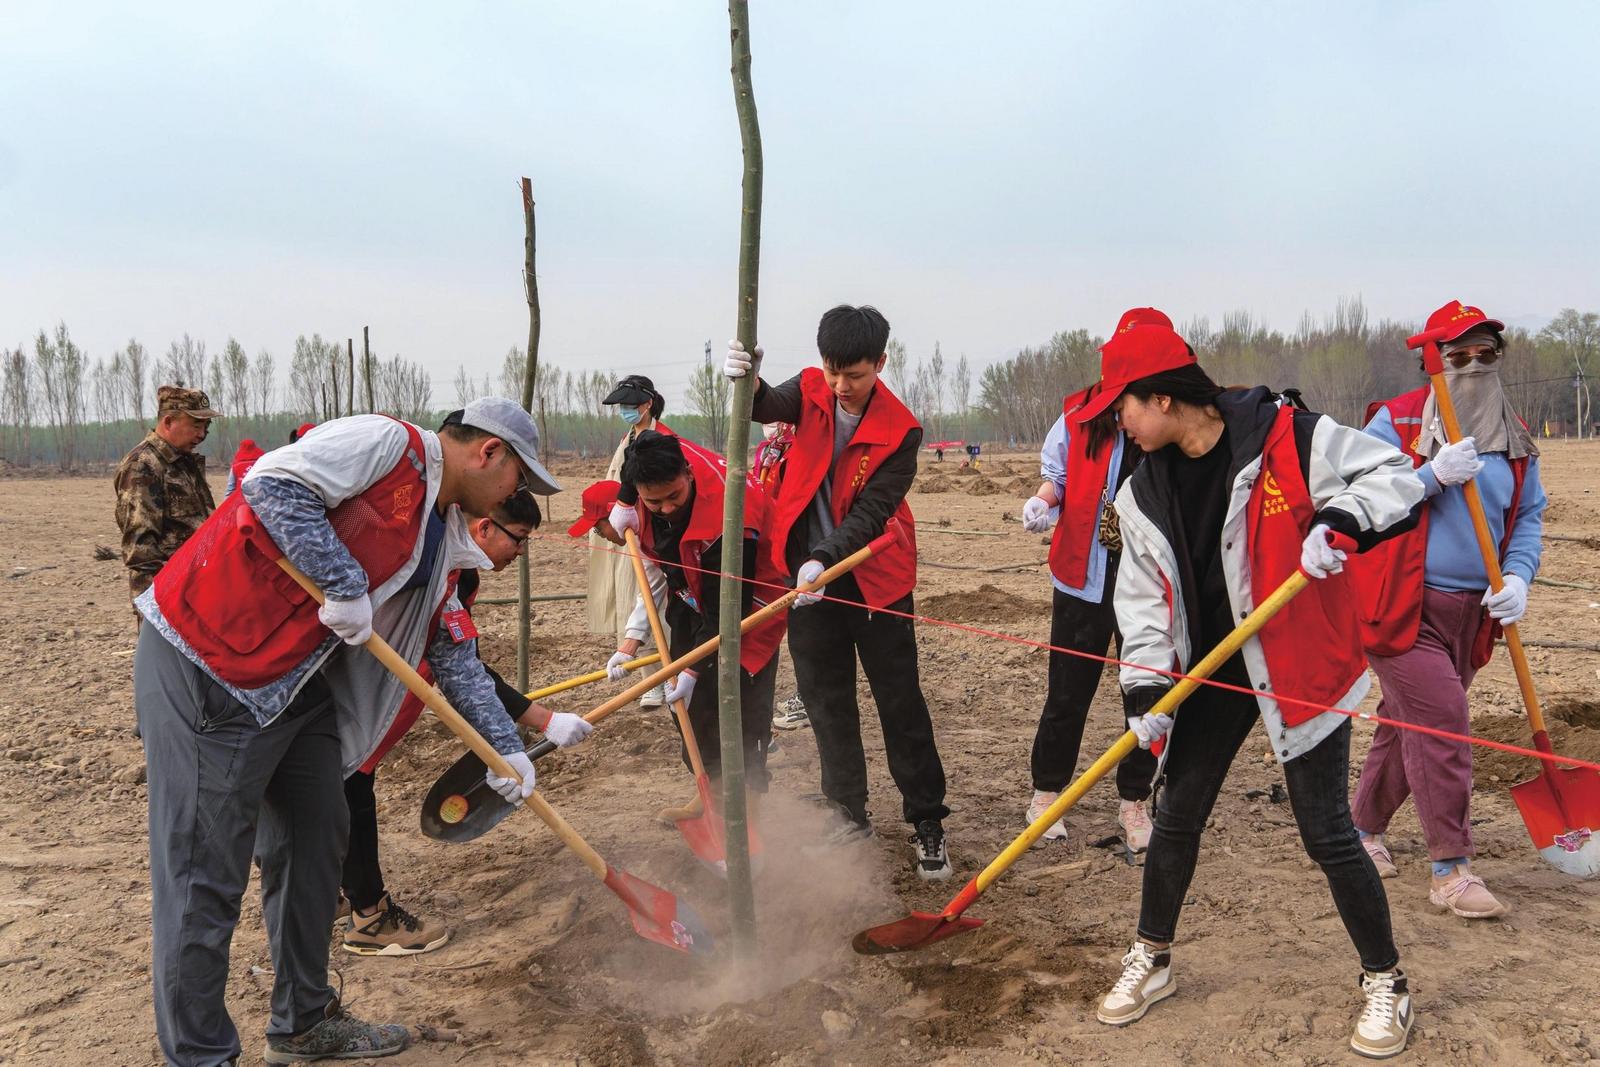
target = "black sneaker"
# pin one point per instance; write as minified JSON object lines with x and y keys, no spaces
{"x":933,"y":860}
{"x":339,"y":1036}
{"x":847,"y":828}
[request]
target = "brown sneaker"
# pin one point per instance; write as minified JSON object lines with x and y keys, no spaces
{"x":391,"y":931}
{"x":1146,"y":979}
{"x":1379,"y":853}
{"x":1385,"y":1022}
{"x":339,"y":1036}
{"x":672,"y":816}
{"x":1465,"y":894}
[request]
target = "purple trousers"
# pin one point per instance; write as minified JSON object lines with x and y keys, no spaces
{"x":1426,"y":685}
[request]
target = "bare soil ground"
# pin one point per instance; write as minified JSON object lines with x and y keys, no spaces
{"x":544,"y":969}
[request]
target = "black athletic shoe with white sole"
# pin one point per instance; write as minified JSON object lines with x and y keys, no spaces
{"x":933,"y":859}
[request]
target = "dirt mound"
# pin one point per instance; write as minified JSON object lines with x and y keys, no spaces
{"x":1021,"y":484}
{"x":1571,"y":734}
{"x":989,"y":603}
{"x":981,"y":486}
{"x":933,"y":483}
{"x":965,"y":472}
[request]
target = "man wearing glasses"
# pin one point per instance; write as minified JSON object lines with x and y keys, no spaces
{"x":253,"y":708}
{"x":1429,"y":620}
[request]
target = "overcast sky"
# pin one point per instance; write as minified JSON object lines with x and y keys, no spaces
{"x":986,"y":174}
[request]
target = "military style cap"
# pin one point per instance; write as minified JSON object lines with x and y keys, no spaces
{"x":175,"y":399}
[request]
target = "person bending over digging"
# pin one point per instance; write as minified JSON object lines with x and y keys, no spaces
{"x":678,"y":519}
{"x":236,"y":681}
{"x":844,"y":483}
{"x":1431,"y":623}
{"x":377,"y":925}
{"x":1236,"y":492}
{"x":1083,"y":465}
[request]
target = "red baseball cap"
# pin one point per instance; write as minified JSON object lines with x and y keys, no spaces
{"x":1142,"y":317}
{"x":597,"y":501}
{"x":1456,"y":318}
{"x":1133,"y":353}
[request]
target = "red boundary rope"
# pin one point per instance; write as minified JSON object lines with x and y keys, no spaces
{"x":1483,"y":742}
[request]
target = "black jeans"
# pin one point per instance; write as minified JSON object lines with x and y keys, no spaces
{"x":755,"y":709}
{"x":824,"y":640}
{"x":362,"y":880}
{"x":1204,"y":740}
{"x":1073,"y":680}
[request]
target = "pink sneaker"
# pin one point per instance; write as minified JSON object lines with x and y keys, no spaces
{"x":1465,"y":894}
{"x":1380,"y":856}
{"x":1135,"y":824}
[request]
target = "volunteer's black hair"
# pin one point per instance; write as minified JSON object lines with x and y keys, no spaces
{"x":653,"y":459}
{"x":1187,"y":385}
{"x":519,"y":509}
{"x":848,"y":335}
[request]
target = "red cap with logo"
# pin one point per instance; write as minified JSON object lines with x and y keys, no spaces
{"x":597,"y":501}
{"x":1142,"y":317}
{"x":1137,"y":350}
{"x":1456,"y":318}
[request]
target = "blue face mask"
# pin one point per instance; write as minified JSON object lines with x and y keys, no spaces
{"x":630,"y":416}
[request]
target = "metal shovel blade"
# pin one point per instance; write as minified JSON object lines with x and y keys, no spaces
{"x":461,"y":806}
{"x":1550,"y":805}
{"x":658,"y":915}
{"x":707,"y":835}
{"x":917,"y":930}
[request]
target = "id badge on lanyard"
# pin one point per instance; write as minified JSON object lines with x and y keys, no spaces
{"x":459,"y":624}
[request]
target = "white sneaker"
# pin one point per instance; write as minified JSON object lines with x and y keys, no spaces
{"x":1146,"y":978}
{"x":1036,"y":807}
{"x":1385,"y":1023}
{"x":1135,"y":823}
{"x":654,"y":698}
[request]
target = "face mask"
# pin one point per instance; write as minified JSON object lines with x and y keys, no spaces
{"x":630,"y":416}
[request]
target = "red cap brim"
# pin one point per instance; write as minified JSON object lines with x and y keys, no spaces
{"x":1104,"y":398}
{"x":584,"y":524}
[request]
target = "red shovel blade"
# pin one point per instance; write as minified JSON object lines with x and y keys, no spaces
{"x":1561,"y":808}
{"x":917,"y":930}
{"x":706,"y":835}
{"x":658,"y":915}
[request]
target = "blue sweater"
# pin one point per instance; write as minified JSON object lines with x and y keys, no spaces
{"x":1453,"y":561}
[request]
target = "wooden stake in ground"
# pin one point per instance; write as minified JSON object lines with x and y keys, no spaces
{"x":350,"y":373}
{"x":741,"y":895}
{"x":530,"y":285}
{"x":366,"y":367}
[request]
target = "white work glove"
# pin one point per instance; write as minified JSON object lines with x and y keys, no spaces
{"x":1149,"y":727}
{"x":565,"y":728}
{"x":615,"y":669}
{"x":513,"y":792}
{"x":1457,"y":463}
{"x":682,"y":689}
{"x":739,"y":363}
{"x":1318,"y":558}
{"x":1510,"y":603}
{"x":1036,"y":515}
{"x":809,"y":572}
{"x":350,"y":619}
{"x":623,"y":517}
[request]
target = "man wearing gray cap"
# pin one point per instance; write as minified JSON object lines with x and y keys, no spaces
{"x":236,"y":683}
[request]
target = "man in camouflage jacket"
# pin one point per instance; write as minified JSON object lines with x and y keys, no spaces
{"x":162,"y":495}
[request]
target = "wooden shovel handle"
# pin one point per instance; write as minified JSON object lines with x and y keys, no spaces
{"x":679,"y":708}
{"x":751,"y":621}
{"x":435,"y":702}
{"x":1491,"y":556}
{"x":593,"y":676}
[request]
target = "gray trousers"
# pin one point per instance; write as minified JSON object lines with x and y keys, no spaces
{"x":214,"y":774}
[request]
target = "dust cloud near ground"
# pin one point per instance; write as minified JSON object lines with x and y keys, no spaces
{"x":544,"y":967}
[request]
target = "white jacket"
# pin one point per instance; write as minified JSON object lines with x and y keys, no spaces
{"x":1360,"y":483}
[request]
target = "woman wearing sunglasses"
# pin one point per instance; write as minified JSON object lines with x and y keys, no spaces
{"x":1429,"y":620}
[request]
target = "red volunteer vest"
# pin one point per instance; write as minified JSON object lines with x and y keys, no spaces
{"x":892,"y":573}
{"x":225,"y":595}
{"x":411,"y":708}
{"x":1079,"y":523}
{"x":1388,"y":577}
{"x":1312,"y":646}
{"x":244,"y":459}
{"x":710,"y":470}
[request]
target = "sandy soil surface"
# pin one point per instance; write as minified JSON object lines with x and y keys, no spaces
{"x":544,"y":968}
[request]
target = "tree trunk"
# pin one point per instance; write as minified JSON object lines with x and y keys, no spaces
{"x":350,"y":374}
{"x":366,"y":367}
{"x":530,"y":284}
{"x":741,"y":896}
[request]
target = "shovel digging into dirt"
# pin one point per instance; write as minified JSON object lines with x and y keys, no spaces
{"x":460,"y":807}
{"x":921,"y":929}
{"x":1561,"y":807}
{"x":703,"y":831}
{"x":656,"y":914}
